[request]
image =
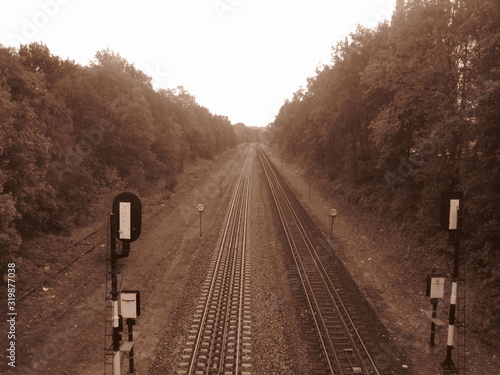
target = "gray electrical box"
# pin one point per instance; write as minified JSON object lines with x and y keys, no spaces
{"x":435,"y":286}
{"x":130,"y":304}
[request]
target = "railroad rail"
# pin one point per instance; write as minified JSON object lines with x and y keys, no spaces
{"x":342,"y":348}
{"x":219,"y":338}
{"x":89,"y":243}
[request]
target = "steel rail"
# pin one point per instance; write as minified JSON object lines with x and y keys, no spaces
{"x":311,"y":301}
{"x":235,"y":266}
{"x":226,"y":268}
{"x":63,"y":268}
{"x":335,"y":296}
{"x":242,"y":273}
{"x":49,"y":278}
{"x":358,"y":347}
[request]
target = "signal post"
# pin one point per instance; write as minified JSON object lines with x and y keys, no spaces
{"x":125,"y":225}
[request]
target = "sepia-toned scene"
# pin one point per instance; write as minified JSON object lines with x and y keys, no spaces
{"x":242,"y":187}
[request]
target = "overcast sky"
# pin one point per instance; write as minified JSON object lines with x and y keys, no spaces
{"x":239,"y":58}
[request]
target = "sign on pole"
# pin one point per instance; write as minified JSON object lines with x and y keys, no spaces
{"x":124,"y":221}
{"x":130,"y":303}
{"x":200,"y":209}
{"x":451,"y":204}
{"x":128,"y":209}
{"x":333,"y":213}
{"x":451,"y":220}
{"x":435,"y":286}
{"x":125,"y":225}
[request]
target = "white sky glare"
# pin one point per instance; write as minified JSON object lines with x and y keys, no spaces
{"x":239,"y":58}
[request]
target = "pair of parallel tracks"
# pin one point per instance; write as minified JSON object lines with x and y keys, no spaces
{"x":219,"y":336}
{"x":342,"y":348}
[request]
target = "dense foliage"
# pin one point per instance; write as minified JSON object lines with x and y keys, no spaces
{"x":70,"y":134}
{"x":409,"y":110}
{"x":249,"y":134}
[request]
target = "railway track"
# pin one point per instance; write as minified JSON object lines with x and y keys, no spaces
{"x":219,"y":336}
{"x":342,"y":349}
{"x":82,"y":247}
{"x":88,"y":243}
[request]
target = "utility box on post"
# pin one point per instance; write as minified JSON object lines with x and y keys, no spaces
{"x":130,"y":303}
{"x":435,"y":286}
{"x":434,"y":290}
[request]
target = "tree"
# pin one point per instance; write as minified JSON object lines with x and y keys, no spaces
{"x":72,"y":135}
{"x":405,"y":112}
{"x":25,"y":157}
{"x":9,"y":238}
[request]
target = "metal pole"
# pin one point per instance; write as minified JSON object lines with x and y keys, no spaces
{"x":130,"y":324}
{"x":114,"y":296}
{"x":331,"y":229}
{"x":448,"y":365}
{"x":434,"y":302}
{"x":200,"y":223}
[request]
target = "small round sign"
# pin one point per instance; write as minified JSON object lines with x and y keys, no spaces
{"x":200,"y":207}
{"x":333,"y":212}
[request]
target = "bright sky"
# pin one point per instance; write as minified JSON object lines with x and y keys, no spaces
{"x":239,"y":58}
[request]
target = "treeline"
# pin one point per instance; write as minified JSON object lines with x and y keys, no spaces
{"x":249,"y":134}
{"x":409,"y":110}
{"x":70,"y":134}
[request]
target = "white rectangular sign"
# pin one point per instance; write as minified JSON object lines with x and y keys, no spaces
{"x":454,"y":207}
{"x":129,"y":304}
{"x":437,"y":287}
{"x":125,"y":220}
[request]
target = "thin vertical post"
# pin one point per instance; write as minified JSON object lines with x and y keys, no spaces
{"x":434,"y":302}
{"x":331,"y":229}
{"x":200,"y":223}
{"x":130,"y":325}
{"x":448,"y":365}
{"x":114,"y":295}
